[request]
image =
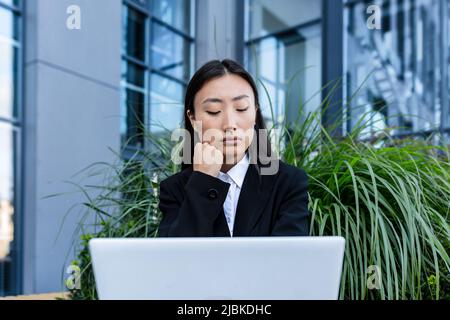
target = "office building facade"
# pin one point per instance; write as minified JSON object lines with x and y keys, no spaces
{"x":78,"y":77}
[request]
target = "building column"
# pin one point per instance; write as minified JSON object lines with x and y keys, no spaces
{"x":332,"y":64}
{"x":217,"y":25}
{"x":72,"y":116}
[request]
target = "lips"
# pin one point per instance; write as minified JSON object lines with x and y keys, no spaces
{"x":231,"y":141}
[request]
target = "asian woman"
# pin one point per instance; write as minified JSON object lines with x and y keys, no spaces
{"x":225,"y":189}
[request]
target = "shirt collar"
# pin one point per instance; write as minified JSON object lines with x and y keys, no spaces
{"x":237,"y":173}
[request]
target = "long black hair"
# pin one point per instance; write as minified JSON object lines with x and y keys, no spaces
{"x":215,"y":69}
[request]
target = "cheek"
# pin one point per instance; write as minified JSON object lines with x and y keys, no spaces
{"x":248,"y":126}
{"x":210,"y":130}
{"x":205,"y":124}
{"x":248,"y":137}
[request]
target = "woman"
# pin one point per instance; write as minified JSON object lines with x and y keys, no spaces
{"x":223,"y":191}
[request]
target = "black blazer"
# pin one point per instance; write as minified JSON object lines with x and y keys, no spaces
{"x":191,"y":203}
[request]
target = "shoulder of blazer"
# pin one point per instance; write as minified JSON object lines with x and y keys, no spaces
{"x":175,"y":179}
{"x":291,"y":172}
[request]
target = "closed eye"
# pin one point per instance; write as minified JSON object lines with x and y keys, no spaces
{"x":216,"y":113}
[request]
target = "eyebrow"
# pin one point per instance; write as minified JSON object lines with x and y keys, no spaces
{"x":217,"y":100}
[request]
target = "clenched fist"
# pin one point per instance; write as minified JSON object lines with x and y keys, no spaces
{"x":207,"y":159}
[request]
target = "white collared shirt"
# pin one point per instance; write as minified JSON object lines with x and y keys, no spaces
{"x":235,"y":176}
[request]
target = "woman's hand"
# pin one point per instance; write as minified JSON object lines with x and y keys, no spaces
{"x":207,"y":159}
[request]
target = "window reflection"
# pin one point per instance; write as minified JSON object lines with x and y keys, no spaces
{"x":11,"y":2}
{"x":9,"y":24}
{"x":134,"y":33}
{"x":173,"y":12}
{"x":166,"y":109}
{"x":6,"y":189}
{"x":134,"y":111}
{"x":268,"y":16}
{"x":170,"y":52}
{"x":397,"y":67}
{"x":6,"y":228}
{"x":284,"y":54}
{"x":133,"y":74}
{"x":156,"y":66}
{"x":8,"y":79}
{"x":10,"y":122}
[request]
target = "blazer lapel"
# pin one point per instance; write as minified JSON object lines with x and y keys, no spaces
{"x":254,"y":194}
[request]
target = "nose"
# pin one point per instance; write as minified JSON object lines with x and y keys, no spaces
{"x":229,"y":122}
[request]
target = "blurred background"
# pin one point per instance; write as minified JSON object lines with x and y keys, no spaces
{"x":78,"y":76}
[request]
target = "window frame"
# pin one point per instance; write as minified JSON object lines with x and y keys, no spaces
{"x":148,"y":68}
{"x":249,"y":41}
{"x":16,"y":123}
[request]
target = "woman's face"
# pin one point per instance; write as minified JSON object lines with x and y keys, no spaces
{"x":225,"y":111}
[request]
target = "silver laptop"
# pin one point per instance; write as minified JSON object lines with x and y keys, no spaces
{"x":241,"y":268}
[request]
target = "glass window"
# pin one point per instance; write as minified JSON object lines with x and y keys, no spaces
{"x":7,"y":176}
{"x":157,"y":46}
{"x":173,"y":12}
{"x":134,"y":103}
{"x":268,"y":16}
{"x":9,"y":24}
{"x":134,"y":74}
{"x":397,"y":67}
{"x":10,"y":124}
{"x":6,"y":189}
{"x":8,"y":79}
{"x":170,"y":52}
{"x":166,"y":104}
{"x":134,"y":111}
{"x":11,"y":2}
{"x":284,"y":54}
{"x":134,"y":35}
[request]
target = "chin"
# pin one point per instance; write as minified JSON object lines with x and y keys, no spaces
{"x":232,"y":156}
